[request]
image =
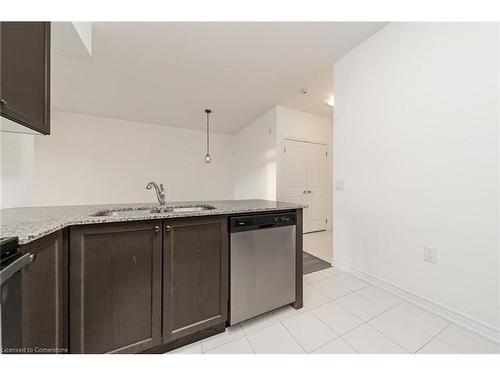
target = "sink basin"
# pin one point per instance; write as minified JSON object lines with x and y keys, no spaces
{"x":197,"y":208}
{"x":128,"y":211}
{"x":124,"y":212}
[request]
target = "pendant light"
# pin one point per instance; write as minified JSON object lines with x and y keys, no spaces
{"x":208,"y":158}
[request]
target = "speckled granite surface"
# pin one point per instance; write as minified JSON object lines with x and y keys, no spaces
{"x":30,"y":223}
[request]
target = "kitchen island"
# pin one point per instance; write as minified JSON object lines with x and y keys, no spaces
{"x":130,"y":279}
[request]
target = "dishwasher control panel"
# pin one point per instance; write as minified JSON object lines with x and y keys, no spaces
{"x":261,"y":221}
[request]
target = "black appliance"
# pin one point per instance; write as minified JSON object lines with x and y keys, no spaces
{"x":11,"y":262}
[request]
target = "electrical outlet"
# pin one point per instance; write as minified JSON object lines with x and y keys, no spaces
{"x":430,"y":255}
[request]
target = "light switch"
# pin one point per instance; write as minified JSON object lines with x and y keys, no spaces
{"x":339,"y":184}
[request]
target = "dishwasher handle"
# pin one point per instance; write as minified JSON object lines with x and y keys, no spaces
{"x":257,"y":222}
{"x":264,"y":226}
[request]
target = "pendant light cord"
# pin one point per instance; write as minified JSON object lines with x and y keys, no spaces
{"x":208,"y":132}
{"x":208,"y":158}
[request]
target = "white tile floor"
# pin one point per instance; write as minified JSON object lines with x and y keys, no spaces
{"x":343,"y":314}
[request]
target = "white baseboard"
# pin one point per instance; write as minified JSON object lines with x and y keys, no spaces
{"x":447,"y":313}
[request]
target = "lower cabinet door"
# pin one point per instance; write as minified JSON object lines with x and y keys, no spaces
{"x":44,"y":296}
{"x":115,"y":287}
{"x":195,"y":275}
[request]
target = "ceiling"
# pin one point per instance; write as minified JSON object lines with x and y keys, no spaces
{"x":168,"y":73}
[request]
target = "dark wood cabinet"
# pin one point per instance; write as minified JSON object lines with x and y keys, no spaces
{"x":25,"y":74}
{"x":195,"y":275}
{"x":115,"y":287}
{"x":130,"y":287}
{"x":44,"y":295}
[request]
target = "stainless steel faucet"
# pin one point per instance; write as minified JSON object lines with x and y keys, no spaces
{"x":160,"y":192}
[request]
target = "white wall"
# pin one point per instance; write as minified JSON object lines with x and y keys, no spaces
{"x":92,"y":160}
{"x":498,"y":165}
{"x":258,"y":152}
{"x":417,"y":142}
{"x":73,"y":39}
{"x":255,"y":159}
{"x":16,"y":169}
{"x":298,"y":125}
{"x":84,"y":31}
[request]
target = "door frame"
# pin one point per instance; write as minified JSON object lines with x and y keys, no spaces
{"x":281,"y":175}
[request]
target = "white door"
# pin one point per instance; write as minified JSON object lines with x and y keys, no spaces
{"x":295,"y":172}
{"x":304,"y":171}
{"x":316,"y":187}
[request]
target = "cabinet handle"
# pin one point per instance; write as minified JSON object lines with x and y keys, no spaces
{"x":304,"y":192}
{"x":309,"y":192}
{"x":157,"y":228}
{"x":168,"y":228}
{"x":3,"y":102}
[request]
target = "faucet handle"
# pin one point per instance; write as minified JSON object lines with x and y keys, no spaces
{"x":150,"y":185}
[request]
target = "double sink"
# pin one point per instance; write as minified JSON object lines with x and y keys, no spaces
{"x":130,"y":211}
{"x":161,"y":209}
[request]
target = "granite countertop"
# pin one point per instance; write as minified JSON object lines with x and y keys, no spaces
{"x":30,"y":223}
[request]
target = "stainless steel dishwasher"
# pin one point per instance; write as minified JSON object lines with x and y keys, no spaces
{"x":262,"y":258}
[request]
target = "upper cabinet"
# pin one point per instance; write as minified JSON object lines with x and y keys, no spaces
{"x":25,"y":75}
